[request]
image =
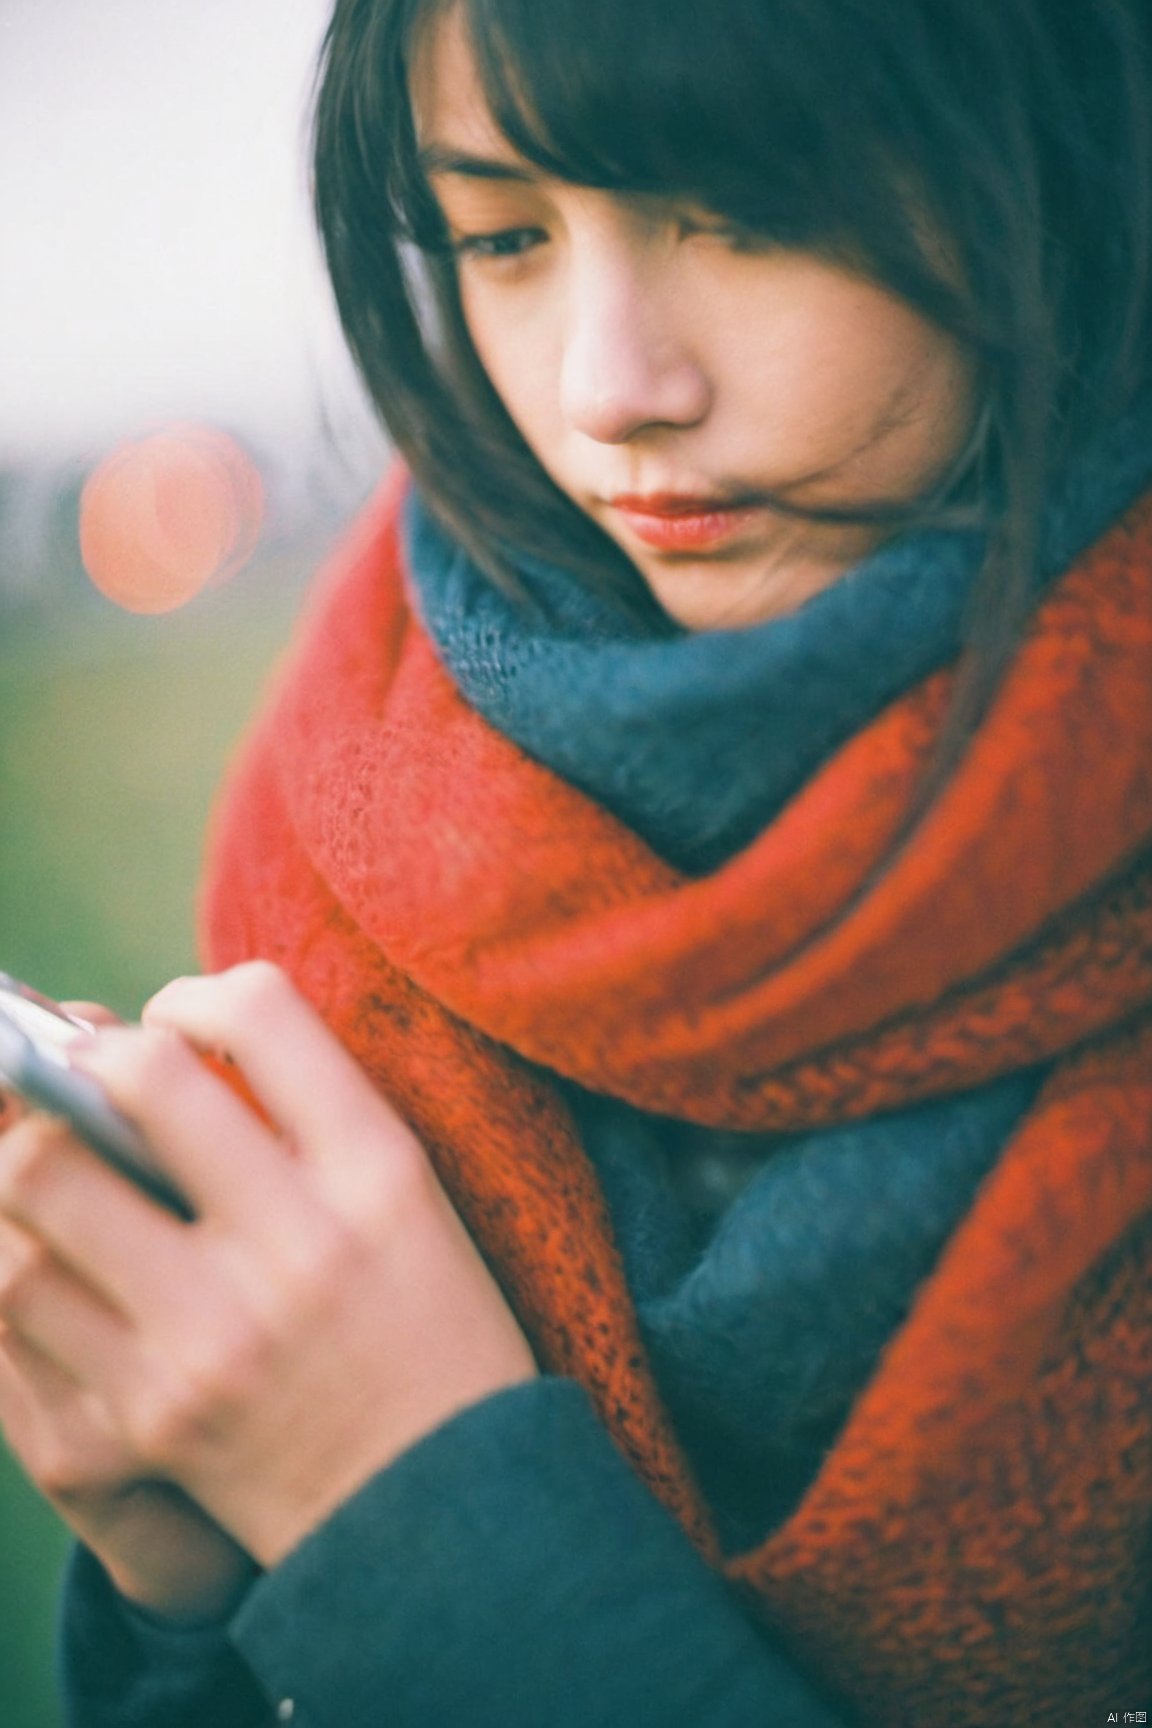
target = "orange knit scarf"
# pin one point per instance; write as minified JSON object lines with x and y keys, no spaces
{"x":975,"y":1549}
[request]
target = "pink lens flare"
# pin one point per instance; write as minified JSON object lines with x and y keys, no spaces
{"x":164,"y":516}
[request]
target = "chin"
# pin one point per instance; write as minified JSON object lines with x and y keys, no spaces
{"x":718,"y":598}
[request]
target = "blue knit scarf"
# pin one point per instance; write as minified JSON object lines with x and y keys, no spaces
{"x":768,"y":1271}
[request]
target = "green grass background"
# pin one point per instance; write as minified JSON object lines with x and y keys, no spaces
{"x":113,"y":733}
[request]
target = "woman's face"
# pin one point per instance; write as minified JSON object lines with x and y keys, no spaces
{"x":669,"y":372}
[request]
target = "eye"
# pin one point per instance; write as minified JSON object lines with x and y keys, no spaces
{"x":737,"y":236}
{"x":500,"y":243}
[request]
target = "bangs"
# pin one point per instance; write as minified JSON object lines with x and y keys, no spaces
{"x":647,"y":98}
{"x":715,"y":105}
{"x":789,"y":120}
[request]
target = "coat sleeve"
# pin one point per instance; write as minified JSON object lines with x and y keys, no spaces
{"x":508,"y":1571}
{"x":120,"y":1669}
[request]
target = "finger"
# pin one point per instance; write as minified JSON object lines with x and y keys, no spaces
{"x":43,"y":1305}
{"x":38,"y":1380}
{"x":299,"y":1070}
{"x":230,"y":1165}
{"x":12,"y":1107}
{"x":19,"y":1418}
{"x":60,"y":1431}
{"x":13,"y":1241}
{"x":72,"y":1410}
{"x":112,"y":1236}
{"x":93,"y":1013}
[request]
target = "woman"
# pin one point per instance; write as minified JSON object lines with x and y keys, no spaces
{"x":699,"y":1275}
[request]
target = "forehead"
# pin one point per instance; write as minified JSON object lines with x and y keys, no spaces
{"x":448,"y":101}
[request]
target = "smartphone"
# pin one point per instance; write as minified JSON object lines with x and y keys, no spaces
{"x":35,"y":1033}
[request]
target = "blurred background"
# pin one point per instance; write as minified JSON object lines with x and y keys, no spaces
{"x":181,"y":436}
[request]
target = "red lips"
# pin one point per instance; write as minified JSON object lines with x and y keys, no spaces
{"x":678,"y":522}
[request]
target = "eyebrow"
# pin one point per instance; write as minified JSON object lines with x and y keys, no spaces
{"x":442,"y":159}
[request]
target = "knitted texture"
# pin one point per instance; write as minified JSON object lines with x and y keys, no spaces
{"x":468,"y":923}
{"x":696,"y":740}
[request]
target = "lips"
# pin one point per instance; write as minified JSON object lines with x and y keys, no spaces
{"x":678,"y":522}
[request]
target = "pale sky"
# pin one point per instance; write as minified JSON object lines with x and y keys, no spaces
{"x":156,"y":251}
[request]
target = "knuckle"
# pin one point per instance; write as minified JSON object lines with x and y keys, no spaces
{"x":141,"y":1062}
{"x":161,"y":1422}
{"x":200,"y":1391}
{"x":405,"y":1184}
{"x":257,"y":987}
{"x":314,"y":1258}
{"x":157,"y":1056}
{"x":59,"y":1474}
{"x":236,"y":1362}
{"x":169,"y":1419}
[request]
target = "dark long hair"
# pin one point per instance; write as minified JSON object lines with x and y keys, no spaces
{"x":989,"y":161}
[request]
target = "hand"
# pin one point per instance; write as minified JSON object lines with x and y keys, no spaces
{"x":160,"y":1550}
{"x":326,"y":1309}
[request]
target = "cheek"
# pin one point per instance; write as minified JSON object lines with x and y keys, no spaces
{"x":516,"y":353}
{"x":845,"y":350}
{"x":846,"y":366}
{"x":930,"y":407}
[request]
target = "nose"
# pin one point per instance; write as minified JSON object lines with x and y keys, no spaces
{"x":626,"y":363}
